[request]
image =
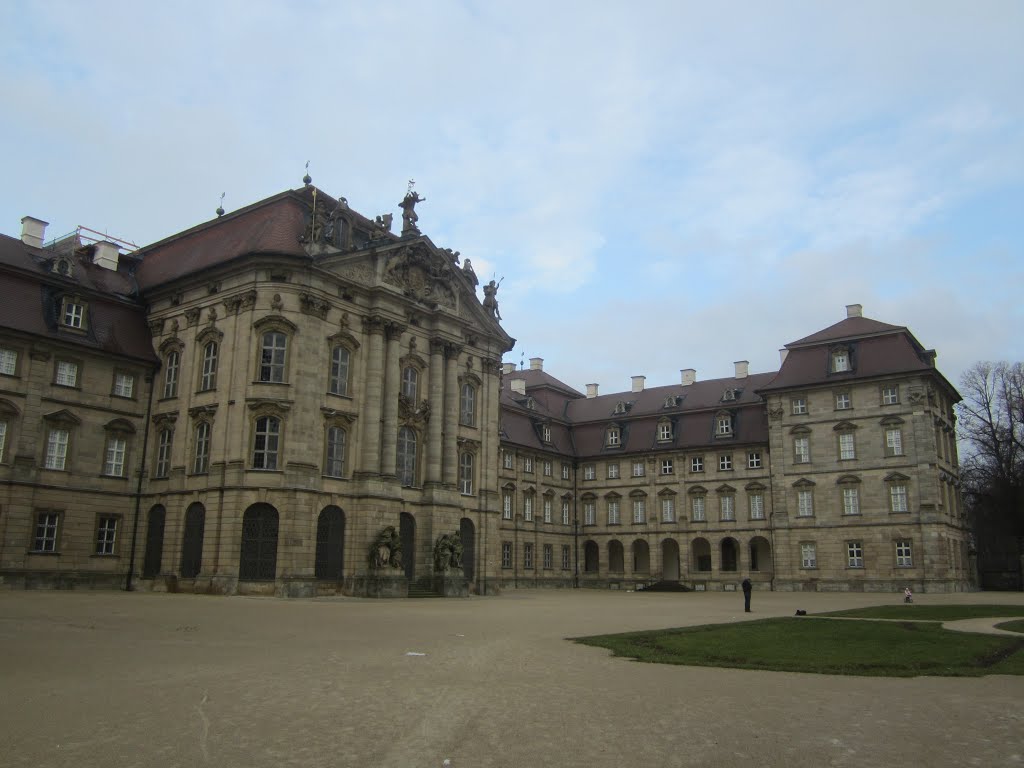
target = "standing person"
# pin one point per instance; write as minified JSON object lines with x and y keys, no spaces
{"x":908,"y":596}
{"x":747,"y":589}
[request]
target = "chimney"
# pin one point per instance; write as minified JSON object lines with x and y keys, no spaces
{"x":519,"y":386}
{"x":854,"y":310}
{"x":32,"y":231}
{"x":742,"y":367}
{"x":783,"y":354}
{"x":689,"y":376}
{"x":536,"y":363}
{"x":508,"y":368}
{"x":105,"y":255}
{"x":638,"y":383}
{"x":591,"y":390}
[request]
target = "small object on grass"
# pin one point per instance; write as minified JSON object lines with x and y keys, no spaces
{"x":800,"y":612}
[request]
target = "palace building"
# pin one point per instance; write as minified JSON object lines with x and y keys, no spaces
{"x":292,"y":399}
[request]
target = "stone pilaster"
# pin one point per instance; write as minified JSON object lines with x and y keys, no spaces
{"x":451,"y":414}
{"x":392,"y":379}
{"x":436,"y":423}
{"x":369,"y":462}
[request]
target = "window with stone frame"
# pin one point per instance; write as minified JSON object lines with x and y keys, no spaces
{"x":667,"y":467}
{"x":410,"y":383}
{"x":66,"y":373}
{"x":73,"y":313}
{"x":804,"y":499}
{"x":613,"y":437}
{"x":851,"y":498}
{"x":638,"y":469}
{"x":798,"y":406}
{"x":172,"y":363}
{"x":893,"y":439}
{"x":566,"y":470}
{"x":506,"y":504}
{"x":341,"y":371}
{"x":725,"y":462}
{"x":808,"y":555}
{"x":840,"y":360}
{"x":164,"y":443}
{"x":896,"y":485}
{"x":756,"y":502}
{"x":506,"y":554}
{"x":57,"y":440}
{"x":753,"y":460}
{"x":846,"y":443}
{"x":698,"y":507}
{"x":546,"y":467}
{"x":335,"y":450}
{"x":273,"y":357}
{"x":508,"y":460}
{"x":106,"y":534}
{"x":528,"y":464}
{"x":589,"y":512}
{"x":801,"y":446}
{"x":697,"y":464}
{"x":201,"y":448}
{"x":639,"y":510}
{"x":566,"y":557}
{"x":614,"y":514}
{"x":854,"y":554}
{"x":727,"y":505}
{"x":566,"y":512}
{"x":8,"y":361}
{"x":45,"y":536}
{"x":547,"y":509}
{"x":208,"y":375}
{"x":466,"y":475}
{"x":904,"y":553}
{"x":124,"y":384}
{"x":467,"y":405}
{"x":528,"y":556}
{"x":407,"y":458}
{"x":589,"y":472}
{"x":613,"y":470}
{"x":843,"y":401}
{"x":664,"y":430}
{"x":890,"y":394}
{"x":549,"y":557}
{"x":668,"y":509}
{"x":545,"y":433}
{"x":724,"y":425}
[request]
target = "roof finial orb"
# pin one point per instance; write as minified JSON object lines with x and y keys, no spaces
{"x":307,"y":179}
{"x":220,"y":208}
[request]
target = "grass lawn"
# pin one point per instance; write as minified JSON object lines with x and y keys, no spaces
{"x":917,"y":612}
{"x":879,"y":648}
{"x":1012,"y":626}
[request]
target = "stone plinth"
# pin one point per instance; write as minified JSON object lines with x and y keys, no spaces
{"x":450,"y":585}
{"x":380,"y":585}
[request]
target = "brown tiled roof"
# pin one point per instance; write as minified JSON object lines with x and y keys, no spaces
{"x":850,"y":328}
{"x":273,"y":226}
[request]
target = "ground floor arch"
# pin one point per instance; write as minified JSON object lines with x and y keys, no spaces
{"x":258,"y":557}
{"x":153,"y":560}
{"x":730,"y":554}
{"x":641,"y":557}
{"x":591,"y":557}
{"x":192,"y":540}
{"x":670,"y":560}
{"x":701,"y":549}
{"x":467,"y":533}
{"x":760,"y":555}
{"x":407,"y":535}
{"x":330,"y":544}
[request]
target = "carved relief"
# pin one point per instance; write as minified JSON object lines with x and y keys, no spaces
{"x":202,"y":410}
{"x":358,"y":273}
{"x":165,"y":420}
{"x":776,"y":412}
{"x":191,"y":317}
{"x":313,"y":305}
{"x":338,"y":418}
{"x":239,"y":302}
{"x":156,"y":327}
{"x":276,"y":303}
{"x":412,"y":415}
{"x":373,"y":324}
{"x":420,"y":277}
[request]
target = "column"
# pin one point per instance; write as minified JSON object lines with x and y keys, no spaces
{"x":392,"y":378}
{"x":451,"y":414}
{"x":436,"y":423}
{"x":370,"y":450}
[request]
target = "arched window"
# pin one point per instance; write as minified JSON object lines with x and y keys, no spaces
{"x":410,"y":383}
{"x":208,"y":380}
{"x":340,"y":365}
{"x":467,"y":405}
{"x":266,"y":442}
{"x":406,"y":464}
{"x":334,"y":466}
{"x":272,"y":357}
{"x":466,"y":473}
{"x":171,"y":365}
{"x":201,"y":460}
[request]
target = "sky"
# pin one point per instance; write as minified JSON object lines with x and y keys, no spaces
{"x":660,"y":185}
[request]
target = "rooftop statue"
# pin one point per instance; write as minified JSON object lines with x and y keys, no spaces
{"x":490,"y":302}
{"x":409,"y":217}
{"x":467,"y":270}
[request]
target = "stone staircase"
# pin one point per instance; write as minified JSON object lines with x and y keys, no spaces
{"x":422,"y":588}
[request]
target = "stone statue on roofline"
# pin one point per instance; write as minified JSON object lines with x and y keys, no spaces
{"x":490,"y":300}
{"x":468,"y":271}
{"x":408,"y":206}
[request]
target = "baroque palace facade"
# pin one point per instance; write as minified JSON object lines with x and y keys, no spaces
{"x":291,"y":399}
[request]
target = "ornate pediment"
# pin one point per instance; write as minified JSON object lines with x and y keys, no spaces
{"x":412,"y":414}
{"x":421,"y":275}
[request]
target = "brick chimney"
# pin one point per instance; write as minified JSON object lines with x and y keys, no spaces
{"x":689,"y":376}
{"x":638,"y":383}
{"x":591,"y":390}
{"x":33,"y":231}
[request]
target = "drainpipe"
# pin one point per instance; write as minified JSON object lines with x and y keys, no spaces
{"x":138,"y":487}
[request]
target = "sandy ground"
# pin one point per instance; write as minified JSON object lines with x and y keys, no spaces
{"x":128,"y":679}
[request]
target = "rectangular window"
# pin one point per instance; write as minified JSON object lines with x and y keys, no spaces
{"x":614,"y":436}
{"x":163,"y":453}
{"x":3,"y":438}
{"x":201,"y":464}
{"x":528,"y":507}
{"x":8,"y":361}
{"x":589,"y":472}
{"x":724,"y":425}
{"x":527,"y":464}
{"x":754,"y":460}
{"x":851,"y":501}
{"x":725,"y":462}
{"x":589,"y":513}
{"x":547,"y":510}
{"x":842,"y":401}
{"x":898,"y":498}
{"x":124,"y":385}
{"x":506,"y":554}
{"x":808,"y":555}
{"x":667,"y":467}
{"x":545,"y":433}
{"x":664,"y":431}
{"x":272,"y":357}
{"x":171,"y":374}
{"x":668,"y":510}
{"x":757,"y":506}
{"x":798,"y":405}
{"x":854,"y":554}
{"x":904,"y":554}
{"x":106,"y":535}
{"x":613,"y":512}
{"x":528,"y":556}
{"x":890,"y":395}
{"x":697,"y":464}
{"x":840,"y":362}
{"x":846,"y":447}
{"x":74,"y":314}
{"x":565,"y":513}
{"x":508,"y":460}
{"x":699,"y":513}
{"x":804,"y":503}
{"x":566,"y":557}
{"x":613,"y":471}
{"x":547,"y":468}
{"x":67,"y":374}
{"x":565,"y":471}
{"x":727,"y":507}
{"x":113,"y":465}
{"x":208,"y":380}
{"x":45,"y":539}
{"x":893,"y":442}
{"x":638,"y":469}
{"x":506,"y":505}
{"x":802,"y":450}
{"x":467,"y":407}
{"x":549,"y":557}
{"x":56,"y":449}
{"x":639,"y":511}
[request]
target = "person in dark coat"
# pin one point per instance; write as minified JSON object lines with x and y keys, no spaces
{"x":747,"y":589}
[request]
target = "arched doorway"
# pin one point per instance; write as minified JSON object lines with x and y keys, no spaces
{"x":670,"y":560}
{"x":760,"y":555}
{"x":730,"y":555}
{"x":192,"y":541}
{"x":154,"y":542}
{"x":701,"y":555}
{"x":591,"y":557}
{"x":407,"y":535}
{"x":616,"y":561}
{"x":467,"y":532}
{"x":330,"y":544}
{"x":641,"y":557}
{"x":258,"y":560}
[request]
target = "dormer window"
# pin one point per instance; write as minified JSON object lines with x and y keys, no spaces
{"x":72,"y":314}
{"x":545,"y":433}
{"x":840,"y":360}
{"x":531,"y":404}
{"x":620,"y":407}
{"x":665,"y":431}
{"x":729,"y":394}
{"x":62,"y":267}
{"x":673,"y":401}
{"x":723,"y":425}
{"x":613,"y":437}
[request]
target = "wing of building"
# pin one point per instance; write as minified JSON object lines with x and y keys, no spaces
{"x":291,"y":399}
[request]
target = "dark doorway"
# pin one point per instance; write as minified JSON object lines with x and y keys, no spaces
{"x":192,"y":542}
{"x":330,"y":544}
{"x":407,"y":533}
{"x":467,"y":532}
{"x":590,"y":557}
{"x":258,"y":561}
{"x":154,"y":543}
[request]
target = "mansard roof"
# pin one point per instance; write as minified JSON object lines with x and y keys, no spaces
{"x":848,"y":328}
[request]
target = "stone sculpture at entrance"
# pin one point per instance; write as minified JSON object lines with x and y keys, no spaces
{"x":386,"y":550}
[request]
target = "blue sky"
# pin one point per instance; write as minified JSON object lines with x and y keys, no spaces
{"x":663,"y":185}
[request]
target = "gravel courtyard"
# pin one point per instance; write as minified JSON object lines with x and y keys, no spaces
{"x":153,"y":680}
